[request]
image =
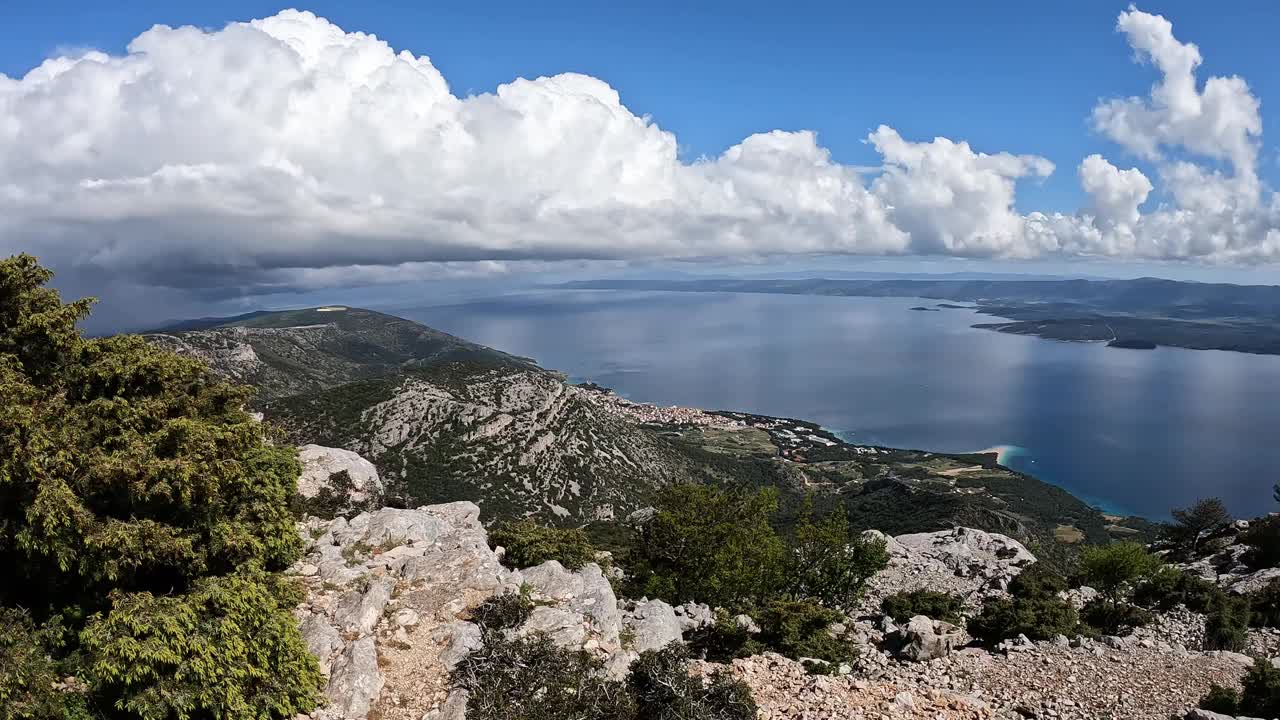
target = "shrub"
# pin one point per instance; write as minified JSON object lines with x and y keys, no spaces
{"x":829,"y":564}
{"x":1193,"y":525}
{"x":1227,"y":624}
{"x":1114,"y":570}
{"x":801,"y":629}
{"x":903,"y":606}
{"x":709,"y":545}
{"x":1037,"y":581}
{"x":229,"y":648}
{"x":1107,"y":618}
{"x":1221,"y":699}
{"x":528,"y":544}
{"x":664,"y":690}
{"x":503,"y":612}
{"x":142,"y":509}
{"x":533,"y":679}
{"x":1170,"y":588}
{"x":724,"y":640}
{"x":1039,"y":618}
{"x":1265,"y":606}
{"x":1263,"y":539}
{"x":1260,"y":690}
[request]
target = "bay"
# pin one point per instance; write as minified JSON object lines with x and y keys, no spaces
{"x":1132,"y":431}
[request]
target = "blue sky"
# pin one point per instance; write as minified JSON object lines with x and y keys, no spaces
{"x":161,"y":173}
{"x":1002,"y":75}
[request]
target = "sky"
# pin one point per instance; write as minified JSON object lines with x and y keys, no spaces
{"x":214,"y":162}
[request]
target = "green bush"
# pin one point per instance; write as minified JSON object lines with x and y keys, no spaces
{"x":724,"y":640}
{"x":528,"y":544}
{"x":143,"y":520}
{"x":830,"y":564}
{"x":503,"y":612}
{"x":903,"y":606}
{"x":1170,"y":588}
{"x":1107,"y":618}
{"x":664,"y":690}
{"x":1227,"y":624}
{"x":1260,"y":690}
{"x":801,"y":629}
{"x":1265,"y":606}
{"x":230,"y":648}
{"x":1039,"y":618}
{"x":1037,"y":581}
{"x":709,"y":545}
{"x":1221,"y":699}
{"x":1115,"y":570}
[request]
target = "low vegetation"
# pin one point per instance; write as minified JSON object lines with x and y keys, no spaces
{"x":533,"y":679}
{"x":1259,"y":695}
{"x":1033,"y":608}
{"x":935,"y":605}
{"x":527,"y":543}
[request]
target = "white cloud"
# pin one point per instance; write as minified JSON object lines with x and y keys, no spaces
{"x":289,"y":148}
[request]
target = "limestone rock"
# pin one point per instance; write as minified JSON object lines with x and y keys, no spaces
{"x":923,"y":638}
{"x":653,"y":625}
{"x":319,"y":463}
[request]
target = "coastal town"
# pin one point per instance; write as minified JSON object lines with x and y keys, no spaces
{"x":795,"y":439}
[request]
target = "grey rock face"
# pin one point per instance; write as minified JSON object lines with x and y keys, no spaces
{"x":356,"y":682}
{"x":653,"y":625}
{"x":967,"y":552}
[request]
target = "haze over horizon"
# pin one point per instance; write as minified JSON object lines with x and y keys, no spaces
{"x":236,"y":163}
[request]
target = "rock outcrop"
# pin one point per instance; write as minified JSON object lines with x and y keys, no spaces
{"x":320,"y":464}
{"x":389,"y":597}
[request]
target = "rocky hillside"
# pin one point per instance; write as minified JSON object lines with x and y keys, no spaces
{"x":441,"y":418}
{"x":391,"y":595}
{"x":304,"y":351}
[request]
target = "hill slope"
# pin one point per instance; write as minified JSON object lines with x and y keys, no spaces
{"x":442,"y":418}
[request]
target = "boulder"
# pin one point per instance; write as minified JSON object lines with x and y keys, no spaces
{"x":923,"y":638}
{"x":653,"y":624}
{"x":694,"y":616}
{"x":320,"y":463}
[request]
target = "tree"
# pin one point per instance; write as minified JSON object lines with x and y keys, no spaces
{"x":1192,"y":525}
{"x":829,"y":564}
{"x":143,"y":520}
{"x":1114,"y":570}
{"x":710,"y":545}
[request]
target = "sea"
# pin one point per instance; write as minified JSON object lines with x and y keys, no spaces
{"x":1133,"y":432}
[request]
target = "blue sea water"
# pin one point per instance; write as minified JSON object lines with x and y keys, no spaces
{"x":1133,"y":431}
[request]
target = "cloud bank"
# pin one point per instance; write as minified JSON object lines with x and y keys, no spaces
{"x":287,"y":150}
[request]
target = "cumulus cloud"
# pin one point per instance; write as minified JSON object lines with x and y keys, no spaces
{"x":289,"y":152}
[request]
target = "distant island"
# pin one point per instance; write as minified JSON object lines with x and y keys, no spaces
{"x":925,"y":309}
{"x":1132,"y":314}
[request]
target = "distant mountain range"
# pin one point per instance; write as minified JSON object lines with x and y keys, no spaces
{"x":1145,"y":312}
{"x":445,"y":419}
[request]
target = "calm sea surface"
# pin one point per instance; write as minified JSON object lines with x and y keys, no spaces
{"x":1132,"y":431}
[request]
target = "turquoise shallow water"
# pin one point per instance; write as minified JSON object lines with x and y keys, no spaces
{"x":1132,"y":431}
